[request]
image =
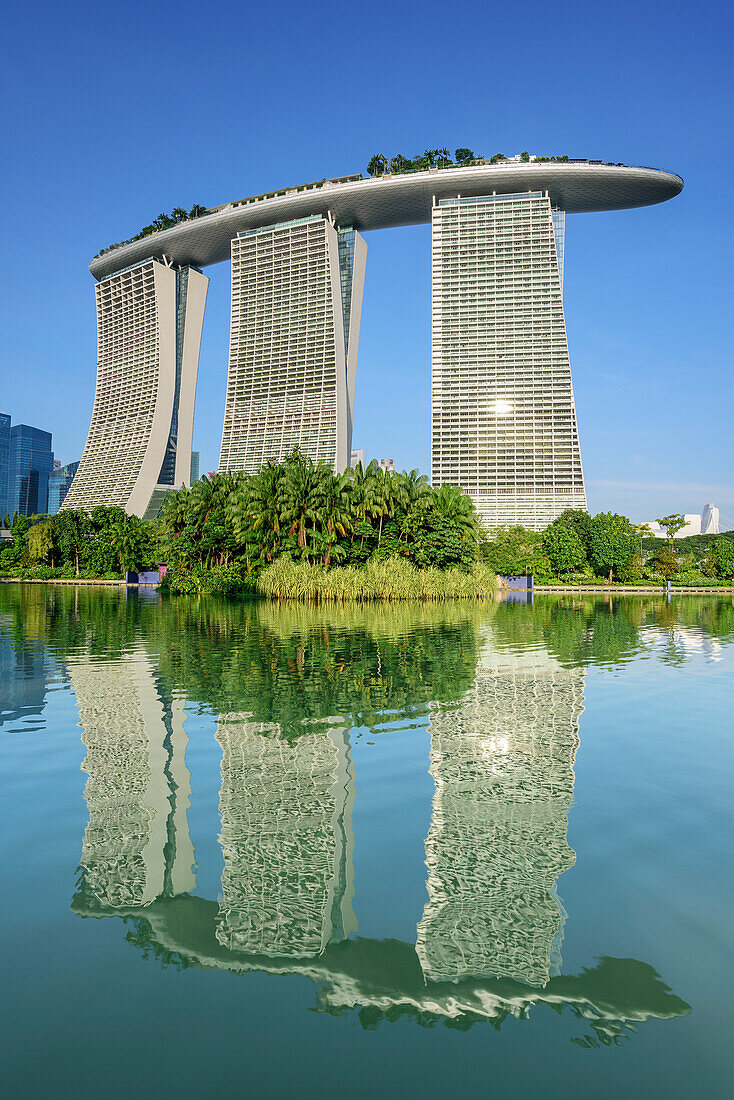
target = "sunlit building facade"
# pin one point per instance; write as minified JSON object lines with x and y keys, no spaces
{"x":503,"y":412}
{"x":296,"y":307}
{"x":149,"y":321}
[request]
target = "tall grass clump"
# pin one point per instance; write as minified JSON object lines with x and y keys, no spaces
{"x":382,"y":579}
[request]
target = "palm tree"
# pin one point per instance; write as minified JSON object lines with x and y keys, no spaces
{"x":301,"y":497}
{"x":179,"y":213}
{"x":379,"y":495}
{"x":196,"y":211}
{"x":338,"y":511}
{"x":377,"y":164}
{"x":399,"y":163}
{"x":454,"y":505}
{"x":253,"y":508}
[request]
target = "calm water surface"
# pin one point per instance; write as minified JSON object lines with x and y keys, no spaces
{"x":408,"y":851}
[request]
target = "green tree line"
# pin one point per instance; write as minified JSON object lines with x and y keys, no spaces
{"x":578,"y":547}
{"x":380,"y":165}
{"x":224,"y":532}
{"x":74,"y":544}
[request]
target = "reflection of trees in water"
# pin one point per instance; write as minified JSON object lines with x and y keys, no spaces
{"x":502,"y":761}
{"x":608,"y":630}
{"x":290,"y":662}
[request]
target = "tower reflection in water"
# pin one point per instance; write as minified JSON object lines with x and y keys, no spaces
{"x":502,"y":761}
{"x":287,"y":840}
{"x":489,"y":942}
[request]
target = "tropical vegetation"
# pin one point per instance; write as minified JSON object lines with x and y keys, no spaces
{"x":226,"y":529}
{"x":298,"y":530}
{"x":163,"y":221}
{"x":104,"y":545}
{"x":581,"y":549}
{"x":380,"y":165}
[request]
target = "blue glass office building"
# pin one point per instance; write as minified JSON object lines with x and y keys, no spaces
{"x":4,"y":465}
{"x":58,"y":486}
{"x":31,"y":463}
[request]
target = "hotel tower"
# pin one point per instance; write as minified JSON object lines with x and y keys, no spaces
{"x":503,"y":417}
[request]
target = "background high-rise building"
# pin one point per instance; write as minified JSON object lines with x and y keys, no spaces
{"x":194,"y":472}
{"x":31,"y":462}
{"x":503,"y":413}
{"x":4,"y":465}
{"x":59,"y":483}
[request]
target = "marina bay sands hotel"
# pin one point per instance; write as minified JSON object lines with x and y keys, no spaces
{"x":503,"y":417}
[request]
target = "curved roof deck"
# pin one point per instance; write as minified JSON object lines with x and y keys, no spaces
{"x":384,"y":202}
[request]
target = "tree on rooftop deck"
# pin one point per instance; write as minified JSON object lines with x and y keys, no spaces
{"x":377,"y":164}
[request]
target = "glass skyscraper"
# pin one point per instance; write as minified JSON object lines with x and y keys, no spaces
{"x":31,"y":462}
{"x":59,"y":484}
{"x":4,"y":465}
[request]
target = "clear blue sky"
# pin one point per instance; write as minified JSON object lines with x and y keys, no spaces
{"x":114,"y":113}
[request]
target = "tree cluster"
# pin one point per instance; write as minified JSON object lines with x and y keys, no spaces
{"x":304,"y":510}
{"x":577,"y":546}
{"x":163,"y":221}
{"x":380,"y":165}
{"x":74,"y":544}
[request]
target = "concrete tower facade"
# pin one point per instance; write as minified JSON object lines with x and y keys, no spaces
{"x":149,"y":321}
{"x":296,"y":307}
{"x":503,"y":424}
{"x":503,"y":413}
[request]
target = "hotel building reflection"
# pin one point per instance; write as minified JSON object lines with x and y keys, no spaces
{"x":502,"y":761}
{"x":488,"y":943}
{"x":287,"y":841}
{"x":286,"y":811}
{"x":136,"y":846}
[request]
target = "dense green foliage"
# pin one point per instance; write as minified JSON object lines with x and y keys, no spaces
{"x":163,"y":221}
{"x":579,"y":548}
{"x":74,"y":544}
{"x":224,"y":533}
{"x":379,"y":164}
{"x":220,"y":533}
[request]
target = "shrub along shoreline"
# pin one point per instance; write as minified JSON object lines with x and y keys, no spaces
{"x":387,"y":579}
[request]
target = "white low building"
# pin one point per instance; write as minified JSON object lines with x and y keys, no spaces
{"x":707,"y":523}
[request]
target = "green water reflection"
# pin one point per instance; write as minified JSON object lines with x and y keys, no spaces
{"x":500,"y":688}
